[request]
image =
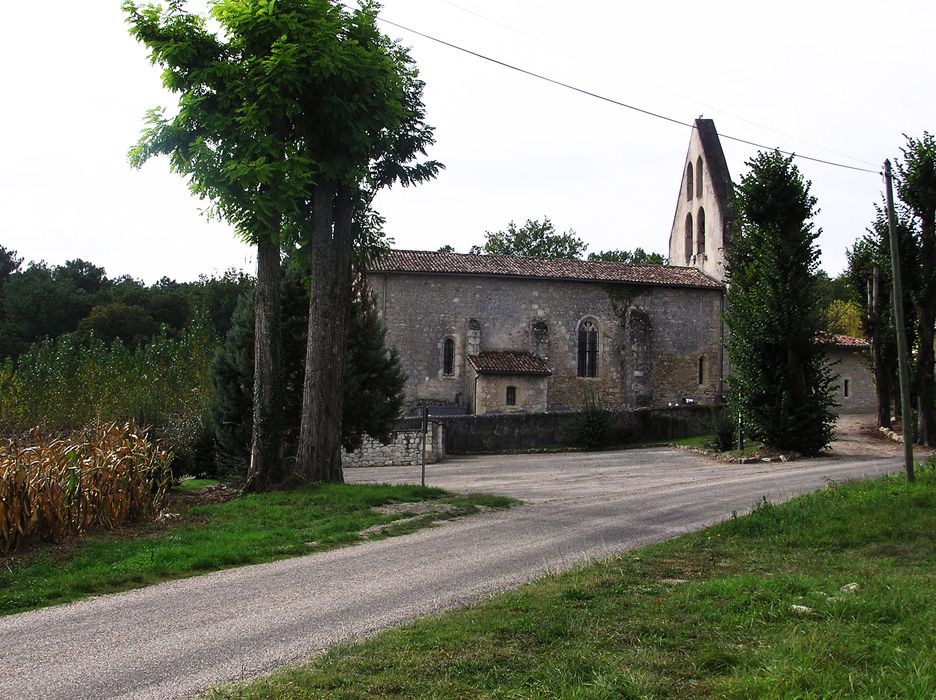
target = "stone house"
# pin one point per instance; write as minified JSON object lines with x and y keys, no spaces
{"x":483,"y":334}
{"x":849,"y":361}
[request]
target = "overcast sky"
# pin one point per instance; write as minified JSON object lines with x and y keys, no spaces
{"x":834,"y":80}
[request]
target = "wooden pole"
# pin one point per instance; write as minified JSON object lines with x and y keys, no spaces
{"x":906,"y":417}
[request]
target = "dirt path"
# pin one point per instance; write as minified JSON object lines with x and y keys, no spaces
{"x":857,"y":435}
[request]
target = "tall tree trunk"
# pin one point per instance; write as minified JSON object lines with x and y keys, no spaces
{"x":880,"y":367}
{"x":926,"y":315}
{"x":266,"y":459}
{"x":926,"y":391}
{"x":318,"y":457}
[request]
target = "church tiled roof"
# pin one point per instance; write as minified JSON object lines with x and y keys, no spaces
{"x":425,"y":262}
{"x":509,"y":362}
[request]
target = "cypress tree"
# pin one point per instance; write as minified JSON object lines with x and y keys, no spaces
{"x":780,"y":382}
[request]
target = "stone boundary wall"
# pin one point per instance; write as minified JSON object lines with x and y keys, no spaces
{"x":513,"y":432}
{"x":403,"y":449}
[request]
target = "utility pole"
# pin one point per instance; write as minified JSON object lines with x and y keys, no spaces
{"x":906,"y":416}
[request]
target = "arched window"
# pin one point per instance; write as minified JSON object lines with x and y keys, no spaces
{"x":588,"y":349}
{"x":698,"y":174}
{"x":689,"y":186}
{"x":700,"y":235}
{"x":511,"y":396}
{"x":448,"y":357}
{"x":688,"y":238}
{"x":701,"y":370}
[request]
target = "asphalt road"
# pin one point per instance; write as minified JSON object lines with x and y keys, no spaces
{"x":176,"y":639}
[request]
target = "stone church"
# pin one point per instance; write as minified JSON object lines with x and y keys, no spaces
{"x":497,"y":334}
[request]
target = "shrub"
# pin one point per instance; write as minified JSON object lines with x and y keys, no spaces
{"x":590,"y":429}
{"x":724,"y":429}
{"x":52,"y":487}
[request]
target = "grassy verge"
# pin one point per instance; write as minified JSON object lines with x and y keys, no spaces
{"x":759,"y":606}
{"x":211,"y":536}
{"x":699,"y":441}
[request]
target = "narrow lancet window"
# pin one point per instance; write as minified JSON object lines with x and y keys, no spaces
{"x":688,"y":238}
{"x":448,"y":357}
{"x":698,"y":177}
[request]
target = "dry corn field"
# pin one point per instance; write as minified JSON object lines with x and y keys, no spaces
{"x":52,"y":487}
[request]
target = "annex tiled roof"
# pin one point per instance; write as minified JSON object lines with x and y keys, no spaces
{"x":843,"y":341}
{"x":425,"y":262}
{"x":509,"y":362}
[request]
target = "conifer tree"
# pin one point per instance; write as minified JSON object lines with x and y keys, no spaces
{"x":373,"y":376}
{"x":780,"y":382}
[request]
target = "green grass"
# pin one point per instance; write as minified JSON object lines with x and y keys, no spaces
{"x":245,"y":530}
{"x":195,"y":484}
{"x":707,"y":615}
{"x":695,"y":441}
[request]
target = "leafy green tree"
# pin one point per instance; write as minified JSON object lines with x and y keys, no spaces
{"x":869,"y":273}
{"x":638,"y":256}
{"x":217,"y":297}
{"x":843,"y":318}
{"x":107,"y":322}
{"x":446,"y":249}
{"x":373,"y":381}
{"x":535,"y":239}
{"x":230,"y":138}
{"x":168,"y":304}
{"x":916,"y":186}
{"x":38,"y":302}
{"x":834,"y":288}
{"x":363,"y":125}
{"x":9,"y":264}
{"x":289,"y":124}
{"x":80,"y":274}
{"x":780,"y":384}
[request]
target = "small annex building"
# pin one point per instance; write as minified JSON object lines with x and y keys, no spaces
{"x":848,"y":359}
{"x":486,"y":333}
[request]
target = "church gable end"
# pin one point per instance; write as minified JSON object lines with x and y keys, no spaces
{"x":702,"y":216}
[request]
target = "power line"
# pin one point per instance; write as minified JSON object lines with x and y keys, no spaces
{"x":672,"y":92}
{"x":617,"y":103}
{"x":495,"y":22}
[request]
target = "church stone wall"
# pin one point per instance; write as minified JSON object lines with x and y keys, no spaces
{"x":643,"y":330}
